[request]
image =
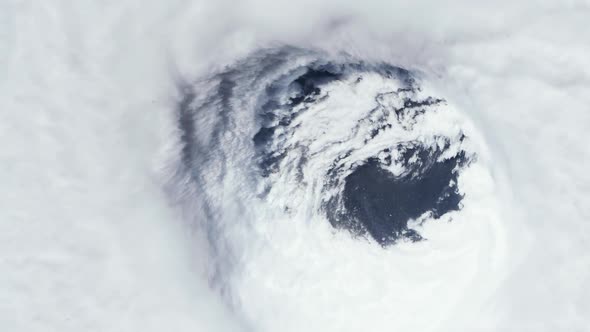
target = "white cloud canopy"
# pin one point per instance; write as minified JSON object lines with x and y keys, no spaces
{"x":136,"y":197}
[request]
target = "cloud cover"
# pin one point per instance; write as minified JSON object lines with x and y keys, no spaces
{"x":88,"y":239}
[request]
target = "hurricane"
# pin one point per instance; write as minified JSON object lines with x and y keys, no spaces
{"x":263,"y":166}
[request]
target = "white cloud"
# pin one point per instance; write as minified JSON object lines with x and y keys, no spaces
{"x":88,"y":240}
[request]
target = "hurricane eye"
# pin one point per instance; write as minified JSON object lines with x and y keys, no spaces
{"x":365,"y":123}
{"x":303,"y":164}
